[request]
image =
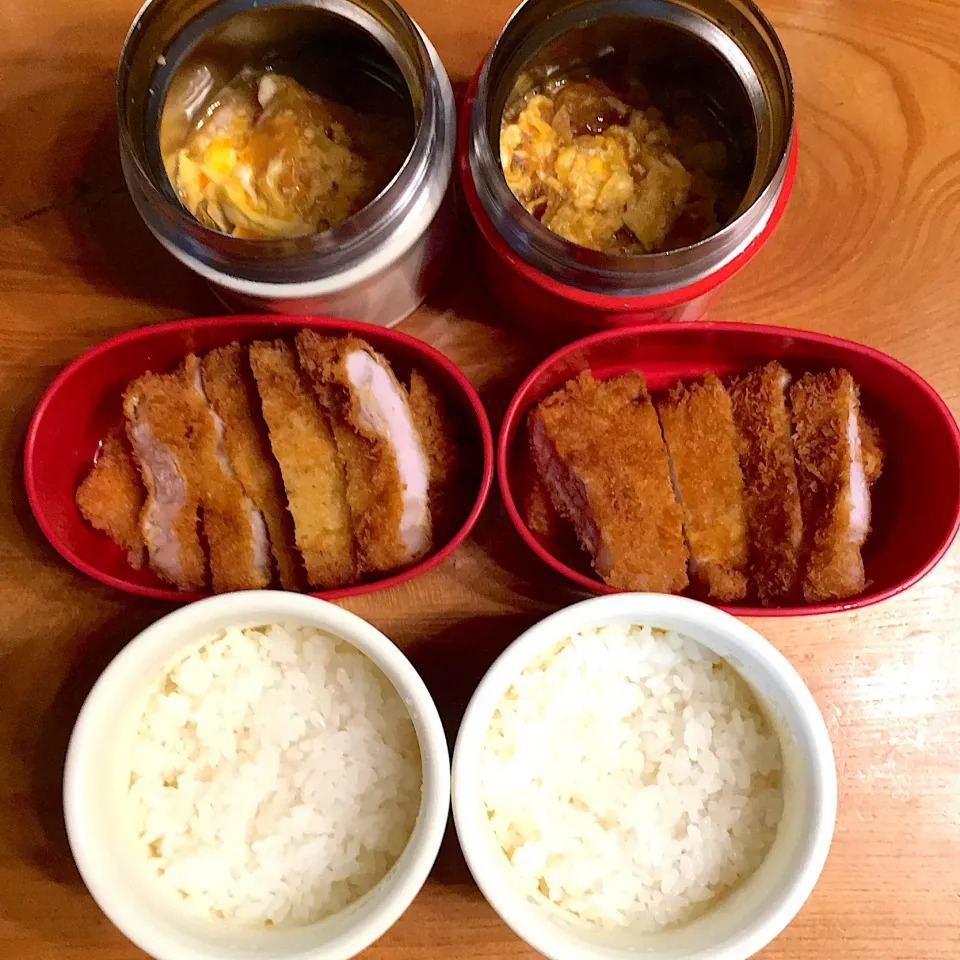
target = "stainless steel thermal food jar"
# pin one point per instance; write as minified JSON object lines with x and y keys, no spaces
{"x":375,"y":266}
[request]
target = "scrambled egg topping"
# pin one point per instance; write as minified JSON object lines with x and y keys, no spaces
{"x":271,"y":159}
{"x":606,"y":176}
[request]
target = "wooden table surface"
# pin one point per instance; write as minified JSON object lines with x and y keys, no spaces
{"x":869,"y":248}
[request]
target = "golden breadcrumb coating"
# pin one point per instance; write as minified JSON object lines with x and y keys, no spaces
{"x":229,"y":385}
{"x":697,"y":422}
{"x":112,"y":495}
{"x":446,"y":452}
{"x":162,"y":421}
{"x":228,"y":522}
{"x":374,"y":488}
{"x":871,"y":448}
{"x":823,"y":405}
{"x":539,"y":513}
{"x":437,"y":430}
{"x":313,"y":474}
{"x":772,"y":497}
{"x":598,"y":447}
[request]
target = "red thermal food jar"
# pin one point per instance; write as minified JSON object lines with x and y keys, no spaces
{"x":732,"y":59}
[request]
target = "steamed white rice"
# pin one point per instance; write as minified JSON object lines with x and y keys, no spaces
{"x":275,"y":776}
{"x":631,"y":777}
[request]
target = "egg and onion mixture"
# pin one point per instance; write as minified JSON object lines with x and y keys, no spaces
{"x":610,"y":177}
{"x":271,"y":159}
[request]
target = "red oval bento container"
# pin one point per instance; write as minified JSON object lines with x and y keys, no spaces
{"x":84,"y":402}
{"x":916,"y":501}
{"x":560,"y":311}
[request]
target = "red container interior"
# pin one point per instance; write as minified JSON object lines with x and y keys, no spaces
{"x":84,"y":402}
{"x":916,"y":502}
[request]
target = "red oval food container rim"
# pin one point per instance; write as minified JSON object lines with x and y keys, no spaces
{"x":604,"y":302}
{"x":512,"y":418}
{"x":358,"y":328}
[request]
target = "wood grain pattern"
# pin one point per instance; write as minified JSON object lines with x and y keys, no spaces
{"x":869,"y":248}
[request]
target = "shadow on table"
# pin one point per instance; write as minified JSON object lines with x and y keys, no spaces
{"x":117,"y":254}
{"x":32,"y":830}
{"x":73,"y":189}
{"x":12,"y":453}
{"x":93,"y":655}
{"x":452,"y":661}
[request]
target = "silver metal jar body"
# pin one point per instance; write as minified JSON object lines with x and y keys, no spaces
{"x":734,"y":56}
{"x":378,"y":265}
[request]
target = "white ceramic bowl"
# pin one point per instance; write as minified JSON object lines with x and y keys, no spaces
{"x":96,"y":777}
{"x":755,"y":912}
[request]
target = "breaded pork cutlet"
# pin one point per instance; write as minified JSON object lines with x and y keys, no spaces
{"x":174,"y":435}
{"x":229,"y":386}
{"x":598,"y":447}
{"x":772,"y":497}
{"x":438,"y":429}
{"x":871,"y":444}
{"x":313,"y":474}
{"x":161,"y":421}
{"x":539,"y":514}
{"x":833,"y":483}
{"x":112,"y":495}
{"x":386,"y":467}
{"x":697,"y":422}
{"x":233,"y":526}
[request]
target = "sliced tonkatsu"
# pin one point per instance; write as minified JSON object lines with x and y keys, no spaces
{"x":249,"y":465}
{"x":437,"y":430}
{"x":872,"y":448}
{"x":112,"y":495}
{"x":387,"y":470}
{"x":174,"y":435}
{"x":236,"y":535}
{"x":697,"y":422}
{"x":539,"y":514}
{"x":771,"y":494}
{"x":161,"y":422}
{"x":598,"y":448}
{"x":228,"y":382}
{"x":834,"y":488}
{"x":313,"y":475}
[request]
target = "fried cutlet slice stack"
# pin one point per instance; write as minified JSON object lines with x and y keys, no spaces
{"x":174,"y":435}
{"x":387,"y":470}
{"x":248,"y":459}
{"x":834,"y":488}
{"x":772,"y":484}
{"x":161,"y":421}
{"x":236,"y":535}
{"x":772,"y":497}
{"x":112,"y":495}
{"x":697,"y":422}
{"x":598,"y":447}
{"x":229,"y":386}
{"x":313,"y":475}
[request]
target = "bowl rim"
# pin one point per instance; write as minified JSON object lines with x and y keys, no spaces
{"x":263,"y":605}
{"x":519,"y":405}
{"x":280,"y":321}
{"x":676,"y":613}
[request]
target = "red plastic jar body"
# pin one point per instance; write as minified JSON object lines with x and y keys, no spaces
{"x":562,"y":312}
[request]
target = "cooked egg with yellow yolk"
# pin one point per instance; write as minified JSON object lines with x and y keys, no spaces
{"x":604,"y":175}
{"x":270,"y":159}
